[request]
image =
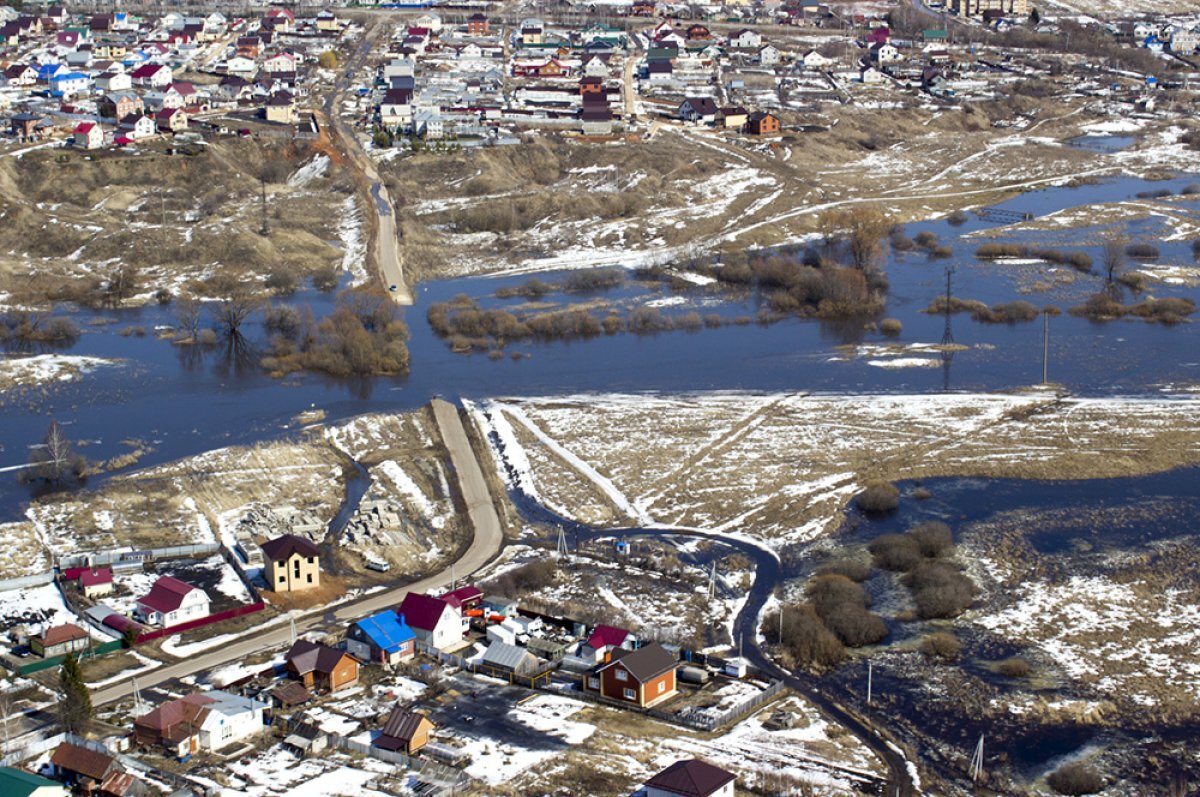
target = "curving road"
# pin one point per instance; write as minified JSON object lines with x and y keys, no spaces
{"x":485,"y":544}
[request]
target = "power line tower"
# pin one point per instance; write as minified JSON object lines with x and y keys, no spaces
{"x":712,"y":582}
{"x":561,"y":547}
{"x":137,"y":699}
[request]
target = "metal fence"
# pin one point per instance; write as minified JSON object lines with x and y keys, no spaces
{"x":25,"y":582}
{"x":147,"y":555}
{"x":54,"y":661}
{"x":708,"y":721}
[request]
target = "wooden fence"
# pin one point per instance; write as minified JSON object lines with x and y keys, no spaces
{"x":443,"y":779}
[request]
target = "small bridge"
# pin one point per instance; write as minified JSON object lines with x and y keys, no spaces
{"x":1003,"y":216}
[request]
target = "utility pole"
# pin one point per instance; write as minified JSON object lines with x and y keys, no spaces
{"x":292,"y":624}
{"x":870,"y":674}
{"x":561,"y":548}
{"x":137,"y":699}
{"x":162,"y":217}
{"x":947,"y":334}
{"x":976,"y":771}
{"x":1045,"y":347}
{"x":265,"y":231}
{"x":712,"y":582}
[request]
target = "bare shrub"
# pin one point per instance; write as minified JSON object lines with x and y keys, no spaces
{"x":806,"y":642}
{"x":326,"y":280}
{"x":891,"y":327}
{"x":940,"y":590}
{"x":926,"y":239}
{"x":878,"y":496}
{"x":896,"y":552}
{"x":933,"y":538}
{"x":1142,"y":251}
{"x":1014,"y":668}
{"x":847,"y":568}
{"x":524,"y":580}
{"x":594,"y":279}
{"x":942,"y":646}
{"x":1075,"y":778}
{"x":530,"y":289}
{"x":957,"y":218}
{"x":282,"y":282}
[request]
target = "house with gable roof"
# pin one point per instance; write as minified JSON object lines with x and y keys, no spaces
{"x":321,"y":667}
{"x":605,"y":639}
{"x":642,"y":677}
{"x":292,"y":563}
{"x":691,"y":778}
{"x":88,"y":135}
{"x":383,"y":638}
{"x":434,"y":621}
{"x":170,"y":600}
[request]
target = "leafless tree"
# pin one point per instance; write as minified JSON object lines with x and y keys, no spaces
{"x":123,"y":283}
{"x":187,"y":317}
{"x":56,"y":461}
{"x":235,"y":304}
{"x":1113,"y":252}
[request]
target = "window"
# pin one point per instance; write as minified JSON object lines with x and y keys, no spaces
{"x":593,"y":683}
{"x":630,"y":694}
{"x":662,"y":687}
{"x":282,"y":579}
{"x":312,"y":559}
{"x":282,"y":563}
{"x":310,"y":578}
{"x":622,"y":675}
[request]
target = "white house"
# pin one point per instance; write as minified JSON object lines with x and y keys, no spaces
{"x":595,"y":67}
{"x":68,"y":84}
{"x":170,"y":601}
{"x":399,"y":67}
{"x":431,"y":21}
{"x":748,"y":39}
{"x":434,"y":621}
{"x":871,"y":75}
{"x":814,"y":60}
{"x":113,"y":81}
{"x":691,"y":778}
{"x":280,"y":62}
{"x":240,"y":65}
{"x":88,"y":135}
{"x":152,"y":75}
{"x":768,"y":55}
{"x":885,"y":53}
{"x":230,"y":719}
{"x":1185,"y":42}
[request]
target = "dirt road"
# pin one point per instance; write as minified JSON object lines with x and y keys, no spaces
{"x":485,"y":544}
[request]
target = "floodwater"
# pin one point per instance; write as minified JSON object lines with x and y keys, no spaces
{"x":183,"y":400}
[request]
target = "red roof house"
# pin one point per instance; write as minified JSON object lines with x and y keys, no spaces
{"x":433,"y":620}
{"x":464,"y":598}
{"x":172,"y":601}
{"x":691,"y":778}
{"x":604,"y":640}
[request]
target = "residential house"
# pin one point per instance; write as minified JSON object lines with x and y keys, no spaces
{"x":429,"y":124}
{"x":976,"y":8}
{"x":762,"y":123}
{"x":170,"y":600}
{"x":280,"y":62}
{"x":405,"y":731}
{"x":26,"y":126}
{"x":691,"y":778}
{"x":396,"y":108}
{"x":510,"y":659}
{"x":698,"y":32}
{"x":233,"y":87}
{"x":496,"y":606}
{"x":241,"y":65}
{"x":327,"y":22}
{"x":660,"y":72}
{"x":871,"y":75}
{"x":431,"y":21}
{"x":733,"y":118}
{"x":746,"y":39}
{"x":89,"y":135}
{"x":18,"y":783}
{"x":281,"y":109}
{"x":551,"y":67}
{"x":698,"y":109}
{"x":289,"y":694}
{"x":20,"y":75}
{"x":467,"y":598}
{"x":292,"y":562}
{"x":642,"y":677}
{"x":114,"y":81}
{"x":59,"y":640}
{"x":885,"y":53}
{"x":201,"y":721}
{"x":152,"y":76}
{"x":81,"y":767}
{"x":1185,"y":41}
{"x":478,"y":25}
{"x":434,"y":621}
{"x":604,"y":640}
{"x":280,"y":19}
{"x":768,"y":55}
{"x":69,"y":84}
{"x":120,"y":105}
{"x":383,"y":638}
{"x":249,"y":46}
{"x":595,"y":66}
{"x":321,"y":667}
{"x":172,"y":120}
{"x":121,"y":784}
{"x":531,"y":36}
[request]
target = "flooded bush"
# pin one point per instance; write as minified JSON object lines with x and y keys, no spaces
{"x":805,"y":642}
{"x":940,"y":590}
{"x":926,"y":239}
{"x":282,"y":283}
{"x":941,"y":645}
{"x":1142,"y":251}
{"x":1191,"y":189}
{"x":847,"y":568}
{"x":139,"y":332}
{"x":941,"y":253}
{"x":1102,"y":307}
{"x":842,"y":606}
{"x":878,"y":496}
{"x":933,"y":538}
{"x":647,"y":321}
{"x":901,"y":242}
{"x":1014,"y":668}
{"x":1011,"y":313}
{"x":1160,"y":193}
{"x":530,"y":289}
{"x":363,"y":336}
{"x":957,"y":218}
{"x":26,"y":326}
{"x":895,"y":552}
{"x":612,"y":324}
{"x":1196,"y":249}
{"x":712,"y":320}
{"x":1134,"y":280}
{"x":993,"y":251}
{"x":325,"y":280}
{"x":891,"y":327}
{"x":1075,"y":778}
{"x":594,"y":279}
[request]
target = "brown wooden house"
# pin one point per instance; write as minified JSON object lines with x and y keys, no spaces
{"x":642,"y":677}
{"x":762,"y":123}
{"x":320,"y":667}
{"x":405,"y":731}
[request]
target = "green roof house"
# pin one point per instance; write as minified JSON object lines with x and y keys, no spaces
{"x":933,"y":35}
{"x":15,"y":783}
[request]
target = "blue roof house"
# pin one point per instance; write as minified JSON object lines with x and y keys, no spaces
{"x":383,"y":638}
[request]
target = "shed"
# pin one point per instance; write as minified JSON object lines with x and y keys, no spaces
{"x":510,"y":659}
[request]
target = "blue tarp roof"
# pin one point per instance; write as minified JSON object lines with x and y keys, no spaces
{"x":387,"y":631}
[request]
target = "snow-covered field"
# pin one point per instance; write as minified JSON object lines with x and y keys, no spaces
{"x":43,"y":369}
{"x":779,"y":468}
{"x":498,"y":761}
{"x":37,"y":608}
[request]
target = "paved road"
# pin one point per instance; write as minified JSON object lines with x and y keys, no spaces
{"x":485,"y":544}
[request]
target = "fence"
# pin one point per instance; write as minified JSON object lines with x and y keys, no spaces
{"x":707,"y":721}
{"x":54,"y":661}
{"x":228,"y":614}
{"x":147,"y":555}
{"x":446,"y":780}
{"x":535,"y":680}
{"x":24,"y":582}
